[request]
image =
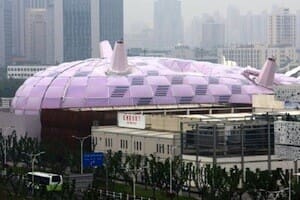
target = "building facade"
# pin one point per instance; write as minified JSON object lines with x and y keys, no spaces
{"x":111,"y":20}
{"x":36,"y":35}
{"x":282,"y":28}
{"x":19,"y":23}
{"x":23,"y":72}
{"x":75,"y":28}
{"x":255,"y":55}
{"x":213,"y":34}
{"x":5,"y":32}
{"x":135,"y":141}
{"x":244,"y":56}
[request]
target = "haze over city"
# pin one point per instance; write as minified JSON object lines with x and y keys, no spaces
{"x":141,"y":11}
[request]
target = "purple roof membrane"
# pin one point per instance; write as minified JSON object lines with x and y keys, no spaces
{"x":150,"y":81}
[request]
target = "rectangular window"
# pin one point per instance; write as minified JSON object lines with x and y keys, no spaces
{"x":126,"y":144}
{"x":140,"y":146}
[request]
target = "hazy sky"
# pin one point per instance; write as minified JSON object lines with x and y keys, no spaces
{"x":141,"y":11}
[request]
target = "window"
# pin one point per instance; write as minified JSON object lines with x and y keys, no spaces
{"x":140,"y":146}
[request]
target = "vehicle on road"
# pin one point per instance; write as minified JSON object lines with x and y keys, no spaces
{"x":43,"y":180}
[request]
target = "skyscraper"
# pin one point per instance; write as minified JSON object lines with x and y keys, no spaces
{"x":254,"y":28}
{"x":298,"y":29}
{"x":213,"y":34}
{"x":168,"y":25}
{"x":282,"y":28}
{"x":2,"y":35}
{"x":35,"y":35}
{"x":233,"y":26}
{"x":78,"y":26}
{"x":18,"y":23}
{"x":5,"y":32}
{"x":77,"y":29}
{"x":111,"y":20}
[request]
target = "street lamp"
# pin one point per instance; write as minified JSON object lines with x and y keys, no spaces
{"x":134,"y":171}
{"x":172,"y":154}
{"x":33,"y":158}
{"x":81,"y":140}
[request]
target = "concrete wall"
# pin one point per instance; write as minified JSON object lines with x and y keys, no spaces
{"x":262,"y":103}
{"x":22,"y":124}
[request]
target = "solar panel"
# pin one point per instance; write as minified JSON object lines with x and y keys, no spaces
{"x":119,"y":91}
{"x":224,"y":98}
{"x":201,"y":89}
{"x":144,"y":101}
{"x":236,"y":89}
{"x":185,"y":100}
{"x":162,"y":90}
{"x":137,"y":81}
{"x":177,"y":80}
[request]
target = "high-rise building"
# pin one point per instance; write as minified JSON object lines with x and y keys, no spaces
{"x":35,"y":3}
{"x":75,"y":27}
{"x":5,"y":32}
{"x":111,"y":20}
{"x":298,"y":29}
{"x":35,"y":35}
{"x":2,"y":35}
{"x":233,"y":26}
{"x":282,"y":28}
{"x":213,"y":34}
{"x":18,"y":23}
{"x":193,"y":36}
{"x":254,"y":28}
{"x":168,"y":25}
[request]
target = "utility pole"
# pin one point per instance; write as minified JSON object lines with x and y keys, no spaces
{"x":81,"y":140}
{"x":171,"y":175}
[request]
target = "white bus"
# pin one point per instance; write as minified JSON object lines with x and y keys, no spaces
{"x":49,"y":181}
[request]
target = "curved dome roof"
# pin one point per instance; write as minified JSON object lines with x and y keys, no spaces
{"x":151,"y":81}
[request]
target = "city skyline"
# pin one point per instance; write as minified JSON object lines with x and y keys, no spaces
{"x":143,"y":16}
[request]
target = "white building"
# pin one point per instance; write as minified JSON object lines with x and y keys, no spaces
{"x":23,"y":72}
{"x":282,"y":28}
{"x":283,"y":55}
{"x":135,"y":141}
{"x":249,"y":55}
{"x":255,"y":55}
